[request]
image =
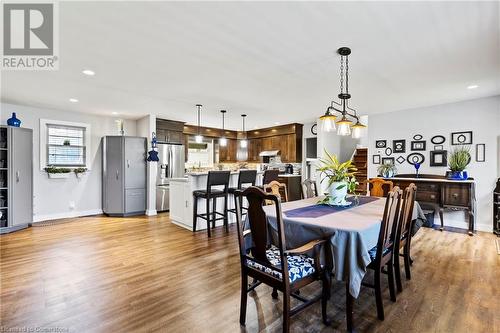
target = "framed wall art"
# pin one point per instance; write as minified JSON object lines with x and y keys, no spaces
{"x":438,"y":158}
{"x":438,"y":147}
{"x":438,"y":139}
{"x":417,"y":137}
{"x":417,"y":145}
{"x":414,"y":158}
{"x":480,"y":152}
{"x":388,"y":151}
{"x":461,"y":138}
{"x":380,"y":143}
{"x":376,"y":159}
{"x":400,"y":159}
{"x":399,"y":146}
{"x":387,"y":160}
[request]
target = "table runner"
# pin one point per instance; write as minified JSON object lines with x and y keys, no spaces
{"x":318,"y":210}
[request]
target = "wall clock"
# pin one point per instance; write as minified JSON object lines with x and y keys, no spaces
{"x":314,"y":129}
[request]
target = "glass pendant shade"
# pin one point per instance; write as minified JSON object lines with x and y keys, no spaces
{"x":357,"y":130}
{"x":344,"y":126}
{"x":328,"y":123}
{"x":243,"y":143}
{"x":223,"y":142}
{"x":198,"y":138}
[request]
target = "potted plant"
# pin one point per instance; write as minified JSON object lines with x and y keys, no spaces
{"x":79,"y":172}
{"x":457,"y":162}
{"x":340,"y":177}
{"x":387,"y":170}
{"x":54,"y":172}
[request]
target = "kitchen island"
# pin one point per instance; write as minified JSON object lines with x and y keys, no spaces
{"x":181,"y":199}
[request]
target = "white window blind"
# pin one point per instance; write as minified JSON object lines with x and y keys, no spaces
{"x":66,"y":146}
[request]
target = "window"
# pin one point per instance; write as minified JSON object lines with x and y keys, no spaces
{"x":64,"y":144}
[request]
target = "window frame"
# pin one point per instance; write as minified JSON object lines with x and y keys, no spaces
{"x":44,"y":137}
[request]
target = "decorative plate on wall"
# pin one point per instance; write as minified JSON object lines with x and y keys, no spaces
{"x":417,"y":137}
{"x":417,"y":145}
{"x":415,"y":158}
{"x":388,"y":151}
{"x":376,"y":159}
{"x":461,"y":138}
{"x":438,"y":139}
{"x":399,"y":146}
{"x":438,"y":158}
{"x":380,"y":143}
{"x":387,"y":160}
{"x":400,"y":159}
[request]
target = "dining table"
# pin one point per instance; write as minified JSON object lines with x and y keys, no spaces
{"x":352,"y":231}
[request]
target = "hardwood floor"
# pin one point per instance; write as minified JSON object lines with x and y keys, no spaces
{"x":101,"y":274}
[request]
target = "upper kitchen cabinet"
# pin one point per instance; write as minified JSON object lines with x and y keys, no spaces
{"x":286,"y":138}
{"x":228,"y":153}
{"x":169,"y":131}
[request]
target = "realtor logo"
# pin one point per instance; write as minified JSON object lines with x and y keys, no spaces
{"x":29,"y":36}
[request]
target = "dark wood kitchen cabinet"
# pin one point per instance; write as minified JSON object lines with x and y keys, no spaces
{"x":254,"y":149}
{"x":169,"y":131}
{"x":228,"y":153}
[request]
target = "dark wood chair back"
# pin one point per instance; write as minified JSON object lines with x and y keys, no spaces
{"x":389,"y":224}
{"x":379,"y":187}
{"x":309,"y":189}
{"x":247,"y":177}
{"x":258,"y":226}
{"x":218,"y":178}
{"x":278,"y":189}
{"x":269,"y":176}
{"x":405,"y":218}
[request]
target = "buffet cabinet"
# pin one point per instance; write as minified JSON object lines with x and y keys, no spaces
{"x":442,"y":193}
{"x":16,"y":178}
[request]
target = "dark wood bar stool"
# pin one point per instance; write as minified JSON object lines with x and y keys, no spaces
{"x":246,"y":178}
{"x":269,"y":176}
{"x":215,"y":178}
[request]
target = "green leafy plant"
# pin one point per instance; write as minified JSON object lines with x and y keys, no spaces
{"x":387,"y":170}
{"x":66,"y":142}
{"x":53,"y":169}
{"x":79,"y":170}
{"x":334,"y":171}
{"x":459,"y":158}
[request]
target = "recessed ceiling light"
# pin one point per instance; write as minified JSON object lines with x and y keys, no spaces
{"x":88,"y":72}
{"x":114,"y":113}
{"x":472,"y":86}
{"x":73,"y":100}
{"x":277,"y":123}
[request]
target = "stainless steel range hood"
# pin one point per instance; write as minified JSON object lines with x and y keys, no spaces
{"x":269,"y":153}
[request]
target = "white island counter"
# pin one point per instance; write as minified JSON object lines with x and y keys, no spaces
{"x":181,"y":199}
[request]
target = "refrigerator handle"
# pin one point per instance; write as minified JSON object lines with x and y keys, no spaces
{"x":18,"y":176}
{"x":170,"y":160}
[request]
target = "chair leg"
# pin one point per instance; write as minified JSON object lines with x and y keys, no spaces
{"x":392,"y":287}
{"x":397,"y":271}
{"x":349,"y":304}
{"x":243,"y":304}
{"x":226,"y":217}
{"x":214,"y":210}
{"x":378,"y":295}
{"x":195,"y":213}
{"x":274,"y":294}
{"x":208,"y":216}
{"x":408,"y":261}
{"x":324,"y":298}
{"x":286,"y":312}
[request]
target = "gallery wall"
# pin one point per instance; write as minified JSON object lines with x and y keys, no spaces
{"x":480,"y":116}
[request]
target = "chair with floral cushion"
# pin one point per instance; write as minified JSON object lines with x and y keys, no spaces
{"x":274,"y":265}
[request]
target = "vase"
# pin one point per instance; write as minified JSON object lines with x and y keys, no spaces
{"x":13,"y":121}
{"x":338,"y":194}
{"x":458,"y":175}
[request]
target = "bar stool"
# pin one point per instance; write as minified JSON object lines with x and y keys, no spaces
{"x":215,"y":178}
{"x":269,"y":176}
{"x":247,"y":178}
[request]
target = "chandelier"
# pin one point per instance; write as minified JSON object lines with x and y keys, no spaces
{"x":349,"y":123}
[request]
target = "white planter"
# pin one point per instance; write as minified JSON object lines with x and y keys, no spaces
{"x":58,"y":175}
{"x":338,"y":194}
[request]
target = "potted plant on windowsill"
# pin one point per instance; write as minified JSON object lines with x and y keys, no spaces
{"x":457,"y":162}
{"x":340,"y":177}
{"x":57,"y":173}
{"x":80,"y":172}
{"x":388,"y":170}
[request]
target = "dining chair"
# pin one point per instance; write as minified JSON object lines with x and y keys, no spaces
{"x":274,"y":265}
{"x":378,"y":187}
{"x":382,"y":254}
{"x":309,"y":189}
{"x":278,"y":189}
{"x":403,"y":235}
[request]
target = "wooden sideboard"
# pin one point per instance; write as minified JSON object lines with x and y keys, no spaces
{"x":442,"y":193}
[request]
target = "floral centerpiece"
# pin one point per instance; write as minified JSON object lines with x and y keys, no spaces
{"x":340,"y":178}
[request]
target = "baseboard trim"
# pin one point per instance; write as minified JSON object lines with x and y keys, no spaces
{"x":463,"y":225}
{"x":65,"y":215}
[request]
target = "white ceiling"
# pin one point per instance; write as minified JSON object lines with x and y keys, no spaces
{"x":274,"y":61}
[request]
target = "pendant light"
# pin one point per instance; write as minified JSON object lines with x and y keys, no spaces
{"x":223,"y":139}
{"x":345,"y":126}
{"x":244,"y":142}
{"x":198,"y":138}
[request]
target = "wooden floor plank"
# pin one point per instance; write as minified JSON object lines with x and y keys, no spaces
{"x":144,"y":274}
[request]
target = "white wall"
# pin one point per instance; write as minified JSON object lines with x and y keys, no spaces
{"x":60,"y":198}
{"x":482,"y":116}
{"x":145,"y":127}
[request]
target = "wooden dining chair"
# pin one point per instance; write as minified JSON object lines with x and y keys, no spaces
{"x":379,"y":187}
{"x":274,"y":265}
{"x":278,"y":189}
{"x":403,"y":235}
{"x":309,"y":189}
{"x":382,"y":254}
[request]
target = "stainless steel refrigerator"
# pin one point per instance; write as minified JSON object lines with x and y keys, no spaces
{"x":170,"y":165}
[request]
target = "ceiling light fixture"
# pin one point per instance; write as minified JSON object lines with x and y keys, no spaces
{"x":472,"y":86}
{"x":199,"y":138}
{"x":345,"y":124}
{"x":223,"y":139}
{"x":73,"y":100}
{"x":114,"y":113}
{"x":88,"y":72}
{"x":243,"y":142}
